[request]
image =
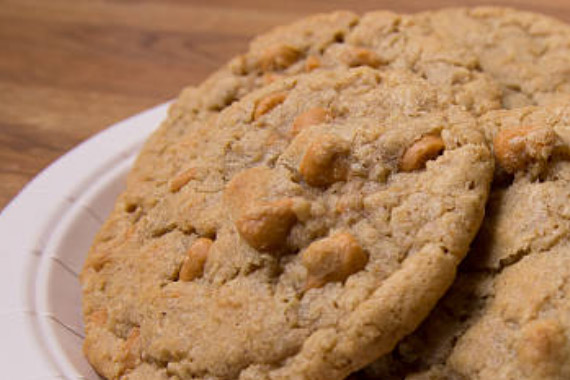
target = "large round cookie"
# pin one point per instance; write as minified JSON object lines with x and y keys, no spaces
{"x":307,"y":228}
{"x":508,"y":314}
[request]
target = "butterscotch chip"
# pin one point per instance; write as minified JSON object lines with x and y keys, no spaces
{"x":312,"y":63}
{"x":333,"y":259}
{"x":99,"y":317}
{"x":131,"y":349}
{"x":421,"y":151}
{"x":310,"y":117}
{"x":357,"y":56}
{"x":265,"y":225}
{"x":516,"y":148}
{"x":271,"y":77}
{"x":325,"y":161}
{"x":193,"y":265}
{"x":269,"y":102}
{"x":279,"y":57}
{"x":182,"y":179}
{"x":97,"y":260}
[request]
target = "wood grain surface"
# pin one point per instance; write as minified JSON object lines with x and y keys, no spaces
{"x":70,"y":68}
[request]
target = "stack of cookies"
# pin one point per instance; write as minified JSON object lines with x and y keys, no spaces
{"x":381,"y":197}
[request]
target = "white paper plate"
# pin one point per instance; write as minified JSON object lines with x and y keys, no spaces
{"x":45,"y":233}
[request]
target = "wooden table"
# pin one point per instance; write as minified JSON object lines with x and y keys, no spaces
{"x":70,"y":68}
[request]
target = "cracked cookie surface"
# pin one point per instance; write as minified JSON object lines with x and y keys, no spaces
{"x":481,"y":58}
{"x":382,"y":40}
{"x":527,"y":53}
{"x":507,"y":316}
{"x":301,"y":241}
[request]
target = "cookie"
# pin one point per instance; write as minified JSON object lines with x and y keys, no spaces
{"x":306,"y":229}
{"x":508,"y":314}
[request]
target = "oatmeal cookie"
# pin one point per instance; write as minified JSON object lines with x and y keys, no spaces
{"x":507,"y":316}
{"x":305,"y":230}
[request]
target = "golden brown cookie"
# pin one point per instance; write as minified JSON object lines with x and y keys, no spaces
{"x":507,"y":316}
{"x":290,"y":246}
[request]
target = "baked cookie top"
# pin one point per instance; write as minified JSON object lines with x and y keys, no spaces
{"x":482,"y":59}
{"x":508,"y":314}
{"x":304,"y":231}
{"x":465,"y":50}
{"x":343,"y":39}
{"x":382,"y":40}
{"x":527,"y":53}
